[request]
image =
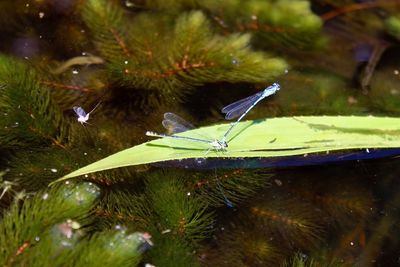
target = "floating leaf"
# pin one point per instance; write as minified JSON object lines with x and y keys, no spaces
{"x":268,"y":138}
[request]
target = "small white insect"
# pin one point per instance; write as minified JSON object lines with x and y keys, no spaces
{"x":6,"y":186}
{"x":83,"y":117}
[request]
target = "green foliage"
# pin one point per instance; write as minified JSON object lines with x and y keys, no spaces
{"x":170,"y":6}
{"x":301,"y":260}
{"x":29,"y":116}
{"x":384,"y":91}
{"x":124,"y":208}
{"x":172,"y":252}
{"x":67,"y":89}
{"x":177,"y":209}
{"x":294,"y":213}
{"x":288,"y":219}
{"x":41,"y":212}
{"x":392,"y":25}
{"x":288,"y":22}
{"x":51,"y":232}
{"x":110,"y":248}
{"x":173,"y":56}
{"x":107,"y":23}
{"x":35,"y":169}
{"x":241,"y":243}
{"x":134,"y":55}
{"x":176,"y":219}
{"x":343,"y":200}
{"x":327,"y":92}
{"x":218,"y":187}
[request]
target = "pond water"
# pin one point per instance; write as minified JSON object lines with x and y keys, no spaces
{"x":83,"y":79}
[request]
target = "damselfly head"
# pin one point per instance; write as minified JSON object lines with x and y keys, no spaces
{"x":270,"y":90}
{"x":273,"y":88}
{"x":219,"y":145}
{"x":276,"y":86}
{"x":224,"y":144}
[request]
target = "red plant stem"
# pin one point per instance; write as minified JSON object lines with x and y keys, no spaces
{"x":350,"y":8}
{"x":64,"y":86}
{"x":265,"y":27}
{"x":19,"y":252}
{"x":22,"y":248}
{"x":53,"y":140}
{"x":120,"y":42}
{"x":178,"y":67}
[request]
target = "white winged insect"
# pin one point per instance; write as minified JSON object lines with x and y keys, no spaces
{"x":175,"y":124}
{"x":83,"y":117}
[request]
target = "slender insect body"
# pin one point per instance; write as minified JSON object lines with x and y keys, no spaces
{"x":242,"y":107}
{"x":214,"y":144}
{"x":82,"y":119}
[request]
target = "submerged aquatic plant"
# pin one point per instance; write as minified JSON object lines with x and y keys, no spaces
{"x":145,"y":58}
{"x":172,"y":56}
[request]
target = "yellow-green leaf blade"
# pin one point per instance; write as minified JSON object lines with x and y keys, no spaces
{"x":275,"y":137}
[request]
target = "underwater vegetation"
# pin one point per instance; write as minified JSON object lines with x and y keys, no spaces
{"x":81,"y":80}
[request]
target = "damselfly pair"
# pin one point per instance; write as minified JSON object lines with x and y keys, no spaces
{"x":238,"y":109}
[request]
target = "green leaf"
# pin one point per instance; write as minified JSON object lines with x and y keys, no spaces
{"x":275,"y":137}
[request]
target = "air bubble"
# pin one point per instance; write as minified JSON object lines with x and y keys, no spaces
{"x":235,"y":61}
